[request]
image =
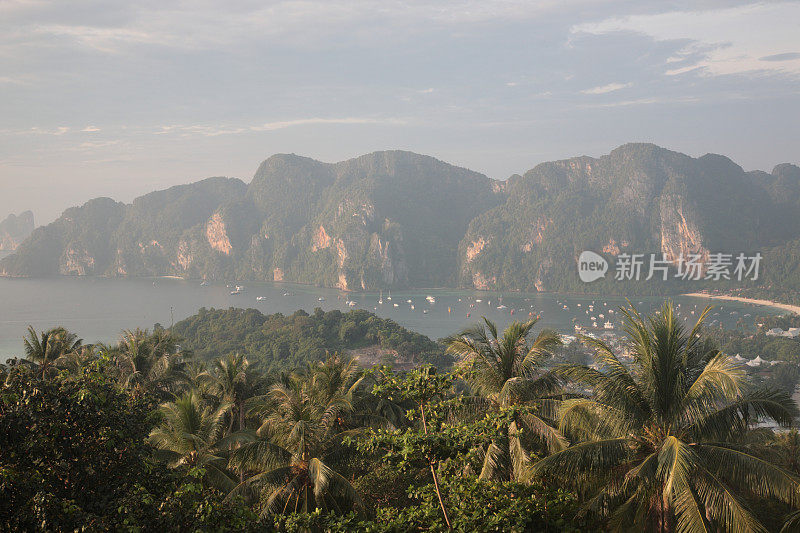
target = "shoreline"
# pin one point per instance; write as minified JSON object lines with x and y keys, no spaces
{"x":769,"y":303}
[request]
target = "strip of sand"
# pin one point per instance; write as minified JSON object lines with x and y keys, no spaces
{"x":785,"y":307}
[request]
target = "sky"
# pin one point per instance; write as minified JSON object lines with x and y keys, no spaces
{"x":106,"y":98}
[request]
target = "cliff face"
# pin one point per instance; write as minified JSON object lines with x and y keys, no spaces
{"x":398,"y":219}
{"x":15,"y":229}
{"x":680,"y":234}
{"x":638,"y":199}
{"x":373,"y":222}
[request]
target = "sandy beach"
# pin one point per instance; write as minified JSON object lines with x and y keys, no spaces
{"x":786,"y":307}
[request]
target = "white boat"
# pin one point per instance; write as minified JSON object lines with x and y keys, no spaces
{"x":478,"y":300}
{"x":408,"y":301}
{"x":237,"y":291}
{"x":412,"y":307}
{"x":203,"y":283}
{"x":261,"y":298}
{"x":380,"y":299}
{"x":351,"y":303}
{"x":501,"y":306}
{"x":431,"y":299}
{"x":390,"y":296}
{"x":424,"y":311}
{"x":320,"y":299}
{"x":396,"y":305}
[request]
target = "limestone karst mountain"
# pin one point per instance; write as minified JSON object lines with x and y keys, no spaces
{"x":399,"y":219}
{"x":15,"y":229}
{"x":640,"y":198}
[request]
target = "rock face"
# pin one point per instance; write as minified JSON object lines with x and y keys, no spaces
{"x":76,"y":261}
{"x":638,"y":199}
{"x":376,"y":221}
{"x":679,"y":237}
{"x":217,"y":236}
{"x":398,"y":219}
{"x":367,"y":223}
{"x":15,"y":229}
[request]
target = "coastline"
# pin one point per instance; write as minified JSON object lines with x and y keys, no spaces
{"x":786,"y":307}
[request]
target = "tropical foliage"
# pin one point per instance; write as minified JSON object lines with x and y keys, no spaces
{"x":506,"y":371}
{"x":668,"y":434}
{"x":665,"y":438}
{"x":282,"y":343}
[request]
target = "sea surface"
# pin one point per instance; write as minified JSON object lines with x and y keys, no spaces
{"x":98,"y":309}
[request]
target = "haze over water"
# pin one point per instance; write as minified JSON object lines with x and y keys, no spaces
{"x":97,"y":309}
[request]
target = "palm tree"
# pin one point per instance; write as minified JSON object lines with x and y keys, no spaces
{"x":786,"y":447}
{"x":151,"y":361}
{"x":232,"y":381}
{"x":289,"y":465}
{"x":45,"y":348}
{"x":506,"y":371}
{"x":191,"y":435}
{"x":666,"y":438}
{"x":78,"y":359}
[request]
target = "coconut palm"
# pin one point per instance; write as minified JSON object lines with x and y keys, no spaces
{"x":45,"y":348}
{"x":231,"y":380}
{"x":786,"y":447}
{"x":506,"y":371}
{"x":289,"y":467}
{"x":151,"y":361}
{"x":191,"y":435}
{"x":78,"y":359}
{"x":666,"y":437}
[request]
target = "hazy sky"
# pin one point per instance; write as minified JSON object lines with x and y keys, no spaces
{"x":103,"y":98}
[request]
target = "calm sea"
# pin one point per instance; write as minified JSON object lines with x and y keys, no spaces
{"x":97,"y":309}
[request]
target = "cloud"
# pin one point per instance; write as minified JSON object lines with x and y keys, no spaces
{"x":721,"y":41}
{"x":215,"y":130}
{"x":90,"y":129}
{"x":603,"y":89}
{"x":788,"y":56}
{"x":56,"y":131}
{"x":643,"y":101}
{"x":210,"y":25}
{"x":270,"y":126}
{"x":10,"y":80}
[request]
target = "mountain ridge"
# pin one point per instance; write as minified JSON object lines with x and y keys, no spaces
{"x":14,"y":229}
{"x":399,"y":219}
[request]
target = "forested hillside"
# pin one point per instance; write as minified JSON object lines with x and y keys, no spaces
{"x":398,"y":219}
{"x":279,"y":342}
